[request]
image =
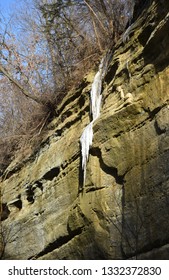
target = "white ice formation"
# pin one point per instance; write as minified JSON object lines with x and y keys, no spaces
{"x":95,"y":99}
{"x":86,"y":143}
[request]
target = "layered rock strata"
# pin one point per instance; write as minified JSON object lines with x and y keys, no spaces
{"x":122,"y":211}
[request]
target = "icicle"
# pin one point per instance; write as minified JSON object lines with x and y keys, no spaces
{"x":95,"y":96}
{"x":95,"y":93}
{"x":86,"y":142}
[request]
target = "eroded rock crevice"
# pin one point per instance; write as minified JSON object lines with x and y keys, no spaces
{"x":96,"y":151}
{"x":62,"y":240}
{"x":4,"y":211}
{"x":51,"y":174}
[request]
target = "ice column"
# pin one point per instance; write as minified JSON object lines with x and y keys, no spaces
{"x":95,"y":99}
{"x":86,"y":143}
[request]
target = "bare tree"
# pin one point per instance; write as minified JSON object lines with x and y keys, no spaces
{"x":49,"y":50}
{"x":129,"y":222}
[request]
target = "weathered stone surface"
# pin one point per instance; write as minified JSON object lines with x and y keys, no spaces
{"x":123,"y":209}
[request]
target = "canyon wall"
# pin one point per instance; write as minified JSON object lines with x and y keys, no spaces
{"x":122,"y":210}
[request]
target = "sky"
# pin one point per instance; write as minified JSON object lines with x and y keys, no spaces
{"x":6,"y":6}
{"x":6,"y":3}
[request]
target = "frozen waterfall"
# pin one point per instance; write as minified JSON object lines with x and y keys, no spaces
{"x":95,"y":100}
{"x":86,"y":142}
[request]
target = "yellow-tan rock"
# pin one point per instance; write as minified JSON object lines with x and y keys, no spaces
{"x":123,"y":210}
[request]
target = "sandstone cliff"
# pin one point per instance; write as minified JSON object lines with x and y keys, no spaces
{"x":123,"y":209}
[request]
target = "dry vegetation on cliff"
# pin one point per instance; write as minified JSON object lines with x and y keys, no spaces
{"x":46,"y":47}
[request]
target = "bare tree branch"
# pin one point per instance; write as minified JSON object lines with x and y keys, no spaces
{"x":19,"y":86}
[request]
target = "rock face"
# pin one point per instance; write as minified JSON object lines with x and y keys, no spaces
{"x":123,"y":209}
